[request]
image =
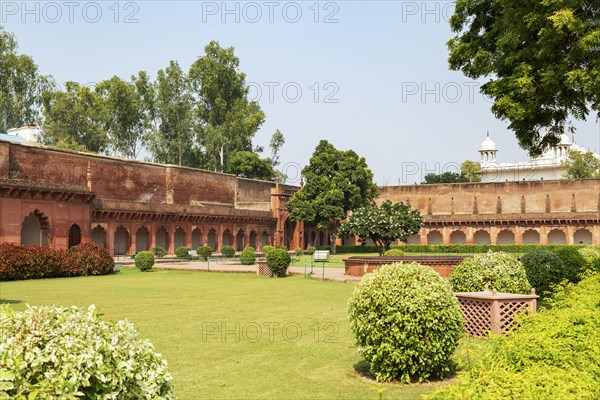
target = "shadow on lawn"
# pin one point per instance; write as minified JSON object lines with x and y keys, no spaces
{"x":362,"y":368}
{"x":8,"y":301}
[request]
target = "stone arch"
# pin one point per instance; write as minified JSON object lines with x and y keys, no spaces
{"x":142,"y":242}
{"x":506,"y":236}
{"x":74,"y":235}
{"x":121,"y":242}
{"x":35,"y":230}
{"x":482,"y":237}
{"x":582,"y":236}
{"x":239,"y":240}
{"x":211,"y":239}
{"x":253,"y":240}
{"x":321,"y":238}
{"x":162,"y":238}
{"x":530,"y":236}
{"x":264,"y":239}
{"x":557,"y":236}
{"x":414,"y":239}
{"x":179,"y":237}
{"x":313,"y":238}
{"x":288,"y":232}
{"x":226,"y":237}
{"x":99,"y":236}
{"x":458,"y":237}
{"x":435,"y":237}
{"x":196,"y":238}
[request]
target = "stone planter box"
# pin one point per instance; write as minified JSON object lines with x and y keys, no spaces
{"x":443,"y":265}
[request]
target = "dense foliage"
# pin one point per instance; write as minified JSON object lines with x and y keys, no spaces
{"x":248,"y":256}
{"x":573,"y":263}
{"x":158,"y":251}
{"x":34,"y":262}
{"x":581,"y":165}
{"x":591,"y":254}
{"x":144,"y":260}
{"x":445,"y":177}
{"x":406,"y":322}
{"x":310,"y":250}
{"x":394,"y":253}
{"x":182,"y":252}
{"x":476,"y":248}
{"x":544,"y":270}
{"x":552,"y":355}
{"x":279,"y":260}
{"x":500,"y":271}
{"x":51,"y":352}
{"x":227,"y":251}
{"x":383,"y":223}
{"x":267,"y":248}
{"x":204,"y":252}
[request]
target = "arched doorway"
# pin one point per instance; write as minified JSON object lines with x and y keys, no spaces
{"x":74,"y":235}
{"x":141,"y":239}
{"x":582,"y":236}
{"x":414,"y":239}
{"x":458,"y":237}
{"x":506,"y":237}
{"x":212,"y":239}
{"x":435,"y":237}
{"x":321,"y":238}
{"x":264,"y":239}
{"x":556,"y":236}
{"x":121,"y":240}
{"x":162,"y":238}
{"x":253,"y":241}
{"x":226,"y":238}
{"x":196,"y":238}
{"x":35,"y":230}
{"x":288,"y":232}
{"x":239,"y":240}
{"x":179,"y":237}
{"x":99,"y":236}
{"x":531,"y":236}
{"x":481,"y":237}
{"x":313,"y":238}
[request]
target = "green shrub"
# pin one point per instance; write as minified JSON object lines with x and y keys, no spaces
{"x":345,"y":249}
{"x":311,"y":250}
{"x":266,"y":249}
{"x":298,"y":252}
{"x":52,"y":352}
{"x":248,"y":256}
{"x":554,"y":354}
{"x":544,"y":270}
{"x":591,"y":254}
{"x":573,"y":263}
{"x":394,"y":253}
{"x":499,"y":270}
{"x":159,"y":252}
{"x":278,"y":261}
{"x":227,"y":251}
{"x":182,"y":252}
{"x":406,"y":322}
{"x":477,"y":248}
{"x":144,"y":260}
{"x":204,"y":252}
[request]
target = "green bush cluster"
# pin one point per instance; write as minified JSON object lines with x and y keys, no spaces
{"x":478,"y":248}
{"x":204,"y":252}
{"x":159,"y":252}
{"x":544,"y":270}
{"x":499,"y":270}
{"x":144,"y":260}
{"x":227,"y":251}
{"x":346,"y":249}
{"x":278,"y":261}
{"x":310,"y":250}
{"x":298,"y":251}
{"x":573,"y":263}
{"x":394,"y":253}
{"x":406,"y":322}
{"x":591,"y":254}
{"x":266,"y":249}
{"x":52,"y":352}
{"x":552,"y":355}
{"x":182,"y":252}
{"x":248,"y":256}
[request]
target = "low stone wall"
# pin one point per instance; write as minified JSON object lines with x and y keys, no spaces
{"x":443,"y":265}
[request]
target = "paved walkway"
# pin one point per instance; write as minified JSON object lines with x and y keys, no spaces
{"x":331,"y":274}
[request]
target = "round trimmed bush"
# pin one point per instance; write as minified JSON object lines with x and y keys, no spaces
{"x":278,"y":261}
{"x":159,"y":252}
{"x":394,"y":253}
{"x":311,"y":250}
{"x":227,"y":251}
{"x":69,"y":352}
{"x":500,"y":271}
{"x":591,"y":254}
{"x":91,"y":259}
{"x":248,"y":256}
{"x":406,"y":322}
{"x":573,"y":263}
{"x":544,"y":269}
{"x":204,"y":252}
{"x":298,"y":251}
{"x":266,"y":249}
{"x":144,"y":260}
{"x":182,"y":252}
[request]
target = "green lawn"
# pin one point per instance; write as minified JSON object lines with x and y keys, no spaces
{"x":178,"y":311}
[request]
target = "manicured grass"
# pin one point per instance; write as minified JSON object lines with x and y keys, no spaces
{"x":309,"y":354}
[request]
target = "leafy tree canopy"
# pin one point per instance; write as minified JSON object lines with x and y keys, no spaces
{"x":469,"y":169}
{"x":582,"y":165}
{"x":446,"y":177}
{"x":541,"y":58}
{"x":247,"y":164}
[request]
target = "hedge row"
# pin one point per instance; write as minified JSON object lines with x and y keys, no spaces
{"x":478,"y":248}
{"x":35,"y":262}
{"x":351,"y":249}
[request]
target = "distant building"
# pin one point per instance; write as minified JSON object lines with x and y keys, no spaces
{"x":548,"y":166}
{"x":29,"y":133}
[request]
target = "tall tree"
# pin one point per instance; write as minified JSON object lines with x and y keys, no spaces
{"x":469,"y":169}
{"x":383,"y":224}
{"x":277,"y":141}
{"x":249,"y":165}
{"x":21,"y":85}
{"x":173,"y":141}
{"x":541,"y":58}
{"x":227,"y":120}
{"x":336,"y":182}
{"x":446,"y":177}
{"x":582,"y":165}
{"x":75,"y":116}
{"x":124,"y":116}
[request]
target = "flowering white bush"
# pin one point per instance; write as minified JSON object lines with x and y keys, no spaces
{"x":54,"y":352}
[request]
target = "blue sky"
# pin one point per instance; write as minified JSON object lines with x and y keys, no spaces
{"x":366,"y":75}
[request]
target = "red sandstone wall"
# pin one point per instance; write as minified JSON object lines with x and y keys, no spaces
{"x":192,"y":185}
{"x":253,"y":191}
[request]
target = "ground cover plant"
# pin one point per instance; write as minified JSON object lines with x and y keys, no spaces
{"x":544,"y":270}
{"x":184,"y":315}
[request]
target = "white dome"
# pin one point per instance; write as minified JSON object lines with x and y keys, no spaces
{"x":488,"y":144}
{"x":564,"y":139}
